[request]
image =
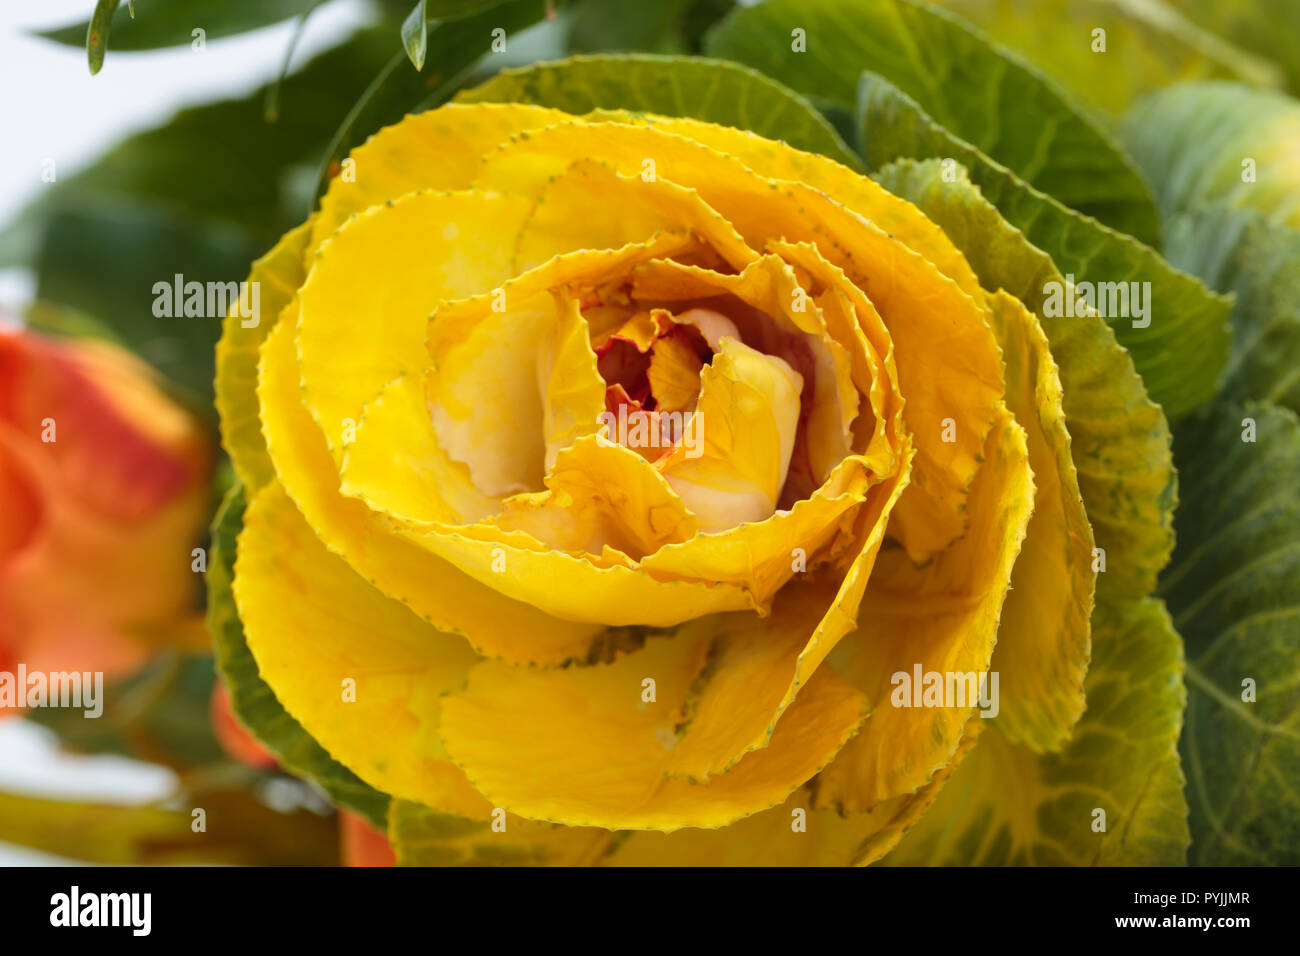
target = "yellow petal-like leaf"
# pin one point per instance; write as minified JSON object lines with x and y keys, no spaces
{"x":1044,"y":640}
{"x":942,"y":620}
{"x":279,"y":273}
{"x":748,"y":410}
{"x":438,"y":149}
{"x":366,"y":303}
{"x":585,"y":746}
{"x":429,"y":585}
{"x":344,"y":660}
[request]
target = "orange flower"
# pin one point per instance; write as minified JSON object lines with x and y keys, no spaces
{"x":361,"y":844}
{"x":230,"y":733}
{"x":105,"y":484}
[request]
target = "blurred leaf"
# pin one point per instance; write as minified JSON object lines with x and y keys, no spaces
{"x":164,"y":23}
{"x":670,"y":26}
{"x":711,"y":90}
{"x":1270,"y":28}
{"x":272,"y":109}
{"x":1217,"y":141}
{"x":453,"y":47}
{"x":596,"y":26}
{"x":252,"y":700}
{"x":1148,"y":44}
{"x":159,"y":714}
{"x":106,"y":259}
{"x":984,"y":94}
{"x":1244,"y":252}
{"x":221,"y":161}
{"x":1182,"y":351}
{"x":1234,"y":590}
{"x":240,"y":830}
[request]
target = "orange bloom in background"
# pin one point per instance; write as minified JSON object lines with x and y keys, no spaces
{"x":105,"y":481}
{"x":360,"y":844}
{"x":231,"y":735}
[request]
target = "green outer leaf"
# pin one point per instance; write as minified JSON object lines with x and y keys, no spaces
{"x":983,"y":93}
{"x":1005,"y":806}
{"x":1234,"y":588}
{"x":1120,"y":440}
{"x":252,"y":700}
{"x":1192,"y":139}
{"x":1149,"y":44}
{"x":1243,"y":252}
{"x":711,"y":90}
{"x":1180,"y":355}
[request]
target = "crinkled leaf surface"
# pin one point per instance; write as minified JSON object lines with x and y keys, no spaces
{"x":1234,"y":590}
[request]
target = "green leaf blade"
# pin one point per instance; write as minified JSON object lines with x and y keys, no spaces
{"x":1215,"y":141}
{"x":984,"y":94}
{"x":1180,"y":354}
{"x":1234,"y":587}
{"x":1244,"y":252}
{"x":711,"y":90}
